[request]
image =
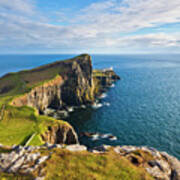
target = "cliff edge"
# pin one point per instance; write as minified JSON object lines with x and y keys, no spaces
{"x":26,"y":95}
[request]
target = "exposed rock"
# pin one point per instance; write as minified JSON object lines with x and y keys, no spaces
{"x":161,"y":167}
{"x":60,"y":134}
{"x":25,"y":160}
{"x":76,"y":147}
{"x":175,"y":166}
{"x":20,"y":160}
{"x":102,"y":148}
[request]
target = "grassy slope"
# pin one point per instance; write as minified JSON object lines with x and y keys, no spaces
{"x":67,"y":165}
{"x":89,"y":166}
{"x":20,"y":123}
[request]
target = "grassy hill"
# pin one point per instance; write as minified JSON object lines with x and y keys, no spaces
{"x":18,"y":124}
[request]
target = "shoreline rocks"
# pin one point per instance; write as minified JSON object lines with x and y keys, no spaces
{"x":98,"y":136}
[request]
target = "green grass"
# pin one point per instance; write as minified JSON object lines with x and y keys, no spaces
{"x":67,"y":165}
{"x":5,"y":176}
{"x":98,"y":73}
{"x":20,"y":123}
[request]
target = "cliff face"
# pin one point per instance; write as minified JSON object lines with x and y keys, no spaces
{"x":72,"y":86}
{"x":42,"y":96}
{"x":77,"y":88}
{"x":60,"y":134}
{"x":103,"y":79}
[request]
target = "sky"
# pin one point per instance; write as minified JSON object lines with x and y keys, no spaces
{"x":89,"y":26}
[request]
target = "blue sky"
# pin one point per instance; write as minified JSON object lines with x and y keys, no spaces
{"x":89,"y":26}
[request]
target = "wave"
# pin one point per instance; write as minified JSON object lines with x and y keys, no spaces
{"x":113,"y":85}
{"x":97,"y":105}
{"x":104,"y":95}
{"x":106,"y":104}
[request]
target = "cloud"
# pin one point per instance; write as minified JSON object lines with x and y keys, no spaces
{"x":17,"y":6}
{"x":100,"y":26}
{"x":129,"y":15}
{"x":152,"y":40}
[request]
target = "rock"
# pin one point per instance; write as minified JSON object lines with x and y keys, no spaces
{"x":102,"y":148}
{"x":60,"y":134}
{"x":30,"y":148}
{"x":157,"y":173}
{"x":136,"y":160}
{"x":63,"y":114}
{"x":161,"y":164}
{"x":175,"y":165}
{"x":42,"y":159}
{"x":15,"y":166}
{"x":40,"y":178}
{"x":76,"y":147}
{"x":117,"y":149}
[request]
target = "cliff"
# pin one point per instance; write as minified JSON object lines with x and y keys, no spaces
{"x":71,"y":86}
{"x":57,"y":85}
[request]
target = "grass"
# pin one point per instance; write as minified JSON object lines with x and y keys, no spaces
{"x":67,"y":165}
{"x":5,"y":176}
{"x":18,"y":124}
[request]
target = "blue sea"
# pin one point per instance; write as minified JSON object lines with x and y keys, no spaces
{"x":144,"y":106}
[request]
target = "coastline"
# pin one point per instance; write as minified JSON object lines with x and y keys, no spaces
{"x":56,"y":133}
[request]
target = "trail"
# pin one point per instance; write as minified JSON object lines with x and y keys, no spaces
{"x":2,"y":112}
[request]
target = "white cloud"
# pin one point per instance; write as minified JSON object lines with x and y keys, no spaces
{"x":161,"y":40}
{"x":18,"y":6}
{"x":98,"y":26}
{"x":130,"y":15}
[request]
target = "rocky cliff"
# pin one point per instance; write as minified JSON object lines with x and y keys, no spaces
{"x":60,"y":134}
{"x":72,"y":86}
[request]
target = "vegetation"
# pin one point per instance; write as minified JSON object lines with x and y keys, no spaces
{"x":67,"y":165}
{"x":6,"y":176}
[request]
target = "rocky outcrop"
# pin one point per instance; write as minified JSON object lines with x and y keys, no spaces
{"x":158,"y":164}
{"x":102,"y":79}
{"x":23,"y":160}
{"x":60,"y":134}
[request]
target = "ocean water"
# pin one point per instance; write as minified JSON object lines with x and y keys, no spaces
{"x":144,"y":106}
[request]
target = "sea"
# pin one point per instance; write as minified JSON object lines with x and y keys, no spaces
{"x":142,"y":109}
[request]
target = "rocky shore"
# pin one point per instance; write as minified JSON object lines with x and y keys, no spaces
{"x":27,"y":160}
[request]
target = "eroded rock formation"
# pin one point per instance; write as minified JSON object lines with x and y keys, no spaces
{"x":60,"y":134}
